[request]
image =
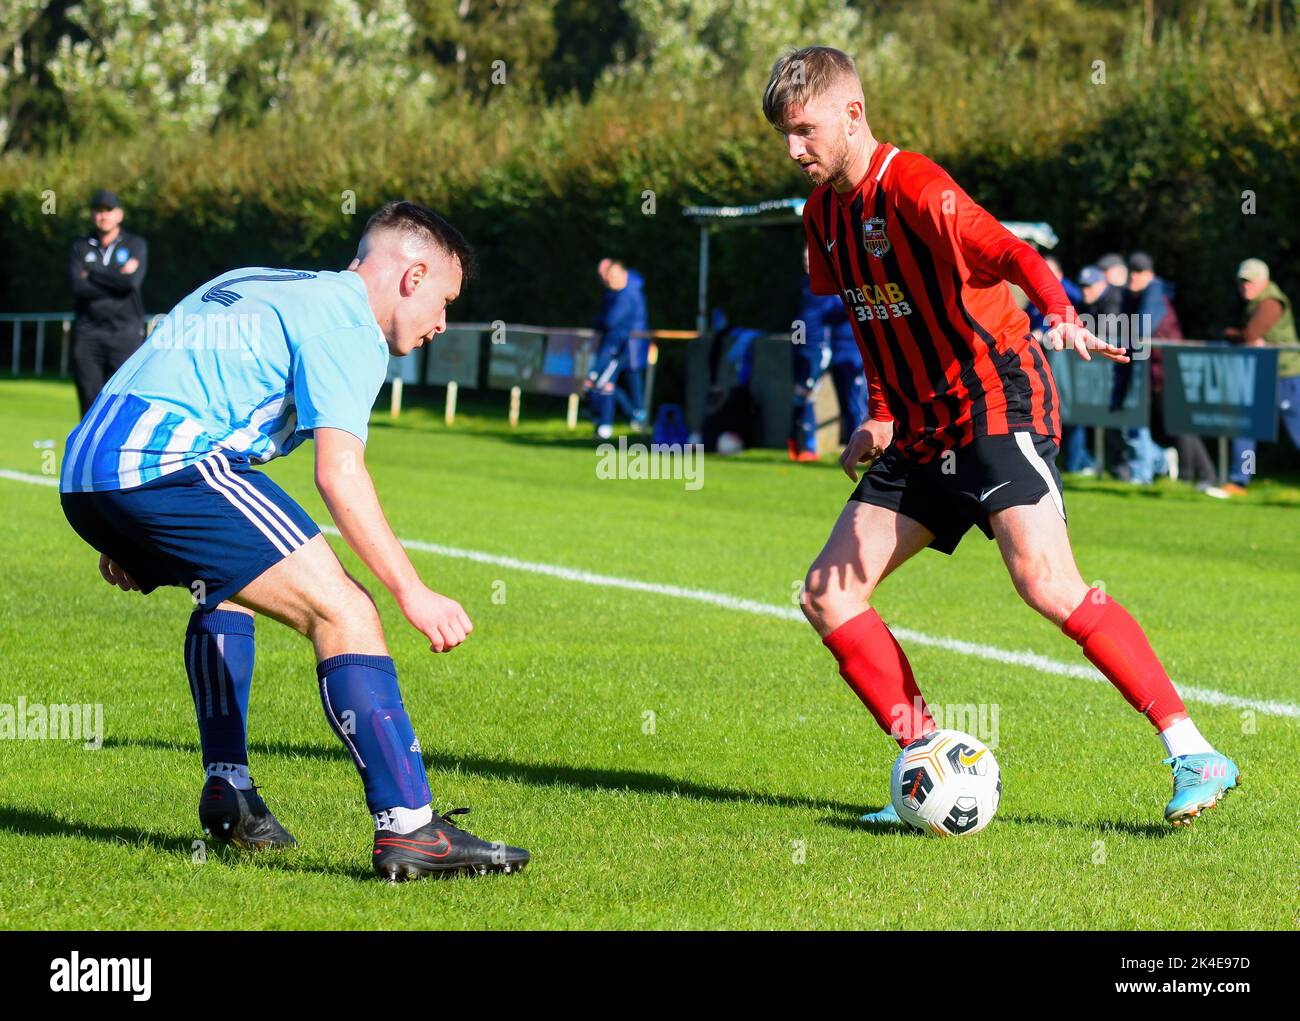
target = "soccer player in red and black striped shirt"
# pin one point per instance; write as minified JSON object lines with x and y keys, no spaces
{"x":963,"y":427}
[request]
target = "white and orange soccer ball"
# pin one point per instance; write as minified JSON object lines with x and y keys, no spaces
{"x":946,"y":783}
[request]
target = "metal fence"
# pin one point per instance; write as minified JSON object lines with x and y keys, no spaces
{"x":42,"y":325}
{"x":1211,"y":388}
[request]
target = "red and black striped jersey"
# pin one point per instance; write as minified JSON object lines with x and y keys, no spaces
{"x":922,"y":270}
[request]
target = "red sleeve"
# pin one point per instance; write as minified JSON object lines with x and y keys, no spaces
{"x":820,"y":277}
{"x":877,"y":407}
{"x":963,"y":233}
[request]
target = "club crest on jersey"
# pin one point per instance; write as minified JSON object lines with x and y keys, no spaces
{"x":873,"y":237}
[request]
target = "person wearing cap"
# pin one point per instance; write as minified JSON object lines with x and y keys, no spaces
{"x":105,"y":270}
{"x":1267,"y":319}
{"x":1146,"y":307}
{"x":1104,"y":301}
{"x":1189,"y":459}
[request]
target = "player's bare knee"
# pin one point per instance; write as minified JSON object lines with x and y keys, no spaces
{"x":829,"y":597}
{"x":348,"y":610}
{"x":1050,"y":594}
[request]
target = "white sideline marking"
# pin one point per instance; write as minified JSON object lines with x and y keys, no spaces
{"x":36,"y":480}
{"x":1029,"y":660}
{"x":1032,"y":660}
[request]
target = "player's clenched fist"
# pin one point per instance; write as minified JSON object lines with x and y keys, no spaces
{"x":114,"y":575}
{"x":441,"y":620}
{"x":866,"y":444}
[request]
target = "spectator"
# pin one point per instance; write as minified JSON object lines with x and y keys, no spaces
{"x":1266,"y":319}
{"x":105,"y":271}
{"x":630,"y":393}
{"x":1074,"y":438}
{"x":623,"y":307}
{"x":1145,"y":306}
{"x":1106,"y":307}
{"x":1192,"y":462}
{"x":828,"y":343}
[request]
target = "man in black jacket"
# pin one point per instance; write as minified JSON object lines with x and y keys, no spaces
{"x":106,"y":270}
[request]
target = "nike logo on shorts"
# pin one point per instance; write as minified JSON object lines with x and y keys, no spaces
{"x":989,"y":492}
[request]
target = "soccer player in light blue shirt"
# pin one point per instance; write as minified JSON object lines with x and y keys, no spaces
{"x":159,"y":478}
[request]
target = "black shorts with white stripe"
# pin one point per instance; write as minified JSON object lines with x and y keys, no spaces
{"x":962,"y":487}
{"x":211,"y":528}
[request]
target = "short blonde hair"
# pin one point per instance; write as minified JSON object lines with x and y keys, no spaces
{"x":800,"y":75}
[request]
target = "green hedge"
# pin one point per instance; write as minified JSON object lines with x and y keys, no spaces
{"x":1156,"y":159}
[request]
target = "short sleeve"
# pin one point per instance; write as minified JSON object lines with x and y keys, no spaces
{"x":336,"y":378}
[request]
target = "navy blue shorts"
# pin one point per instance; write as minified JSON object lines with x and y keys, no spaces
{"x":211,"y":528}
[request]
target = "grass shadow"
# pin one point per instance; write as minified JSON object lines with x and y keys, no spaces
{"x":875,"y":829}
{"x":538,"y":774}
{"x":28,"y":823}
{"x":1146,"y":830}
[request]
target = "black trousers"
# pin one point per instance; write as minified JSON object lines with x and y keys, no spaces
{"x":95,"y":357}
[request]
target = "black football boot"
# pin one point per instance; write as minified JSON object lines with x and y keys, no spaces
{"x":232,"y":816}
{"x":442,"y":850}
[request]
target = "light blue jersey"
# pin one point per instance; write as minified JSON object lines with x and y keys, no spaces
{"x":249,"y":364}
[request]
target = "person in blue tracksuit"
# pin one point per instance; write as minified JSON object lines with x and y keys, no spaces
{"x":622,"y":310}
{"x":828,"y":343}
{"x":630,"y":393}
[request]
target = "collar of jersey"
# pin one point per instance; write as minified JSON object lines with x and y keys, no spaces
{"x":873,"y":168}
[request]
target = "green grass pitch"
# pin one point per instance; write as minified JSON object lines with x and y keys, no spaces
{"x":738,"y":806}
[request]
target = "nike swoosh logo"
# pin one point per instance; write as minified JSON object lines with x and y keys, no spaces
{"x":989,"y":492}
{"x":439,"y":848}
{"x":830,"y":245}
{"x":970,"y":760}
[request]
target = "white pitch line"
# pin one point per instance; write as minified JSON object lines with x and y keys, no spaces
{"x":1028,"y":660}
{"x":1031,"y":660}
{"x":36,"y":480}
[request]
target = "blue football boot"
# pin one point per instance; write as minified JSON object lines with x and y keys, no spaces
{"x":1200,"y":782}
{"x":886,"y":816}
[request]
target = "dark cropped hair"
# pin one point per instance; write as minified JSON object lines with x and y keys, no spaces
{"x":426,"y":226}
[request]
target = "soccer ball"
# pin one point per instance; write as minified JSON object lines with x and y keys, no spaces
{"x":730,"y":444}
{"x":946,"y":783}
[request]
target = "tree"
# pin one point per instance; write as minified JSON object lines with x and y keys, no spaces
{"x":151,"y":62}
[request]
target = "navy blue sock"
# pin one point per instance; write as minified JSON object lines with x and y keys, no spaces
{"x":219,"y":659}
{"x":364,"y":706}
{"x":604,"y":408}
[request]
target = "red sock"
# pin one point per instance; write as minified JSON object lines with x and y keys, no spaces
{"x":876,"y":667}
{"x":1117,"y":646}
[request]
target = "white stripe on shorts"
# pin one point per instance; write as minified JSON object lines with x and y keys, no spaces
{"x":275,"y":514}
{"x":238,"y":502}
{"x":1026,"y":444}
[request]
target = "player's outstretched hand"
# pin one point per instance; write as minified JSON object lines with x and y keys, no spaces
{"x":114,"y":575}
{"x":439,"y":619}
{"x":1064,"y":335}
{"x":866,"y":444}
